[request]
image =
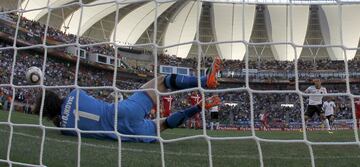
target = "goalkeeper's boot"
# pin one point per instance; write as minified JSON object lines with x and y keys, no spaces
{"x":212,"y":81}
{"x":330,"y":132}
{"x":211,"y":102}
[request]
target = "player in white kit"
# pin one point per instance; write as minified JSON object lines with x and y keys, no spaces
{"x":329,"y":107}
{"x":214,"y":113}
{"x":315,"y":101}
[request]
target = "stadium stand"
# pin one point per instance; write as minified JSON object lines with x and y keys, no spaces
{"x":59,"y":73}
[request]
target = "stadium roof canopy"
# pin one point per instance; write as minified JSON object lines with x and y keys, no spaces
{"x":284,"y":1}
{"x":273,"y":28}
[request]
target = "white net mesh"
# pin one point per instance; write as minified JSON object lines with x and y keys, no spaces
{"x":289,"y":43}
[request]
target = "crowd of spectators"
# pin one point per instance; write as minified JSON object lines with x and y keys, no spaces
{"x":263,"y":65}
{"x":60,"y":72}
{"x":272,"y":103}
{"x":272,"y":69}
{"x":33,"y":32}
{"x":235,"y":109}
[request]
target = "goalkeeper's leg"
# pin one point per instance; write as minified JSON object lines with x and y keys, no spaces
{"x":175,"y":82}
{"x":178,"y":82}
{"x":178,"y":118}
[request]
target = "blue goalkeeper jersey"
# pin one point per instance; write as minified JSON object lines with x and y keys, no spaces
{"x":92,"y":115}
{"x":98,"y":115}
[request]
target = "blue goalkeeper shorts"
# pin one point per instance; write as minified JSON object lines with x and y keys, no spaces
{"x":131,"y":118}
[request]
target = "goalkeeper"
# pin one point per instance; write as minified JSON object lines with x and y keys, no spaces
{"x":97,"y":115}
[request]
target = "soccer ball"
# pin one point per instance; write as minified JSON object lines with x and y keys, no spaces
{"x":33,"y":75}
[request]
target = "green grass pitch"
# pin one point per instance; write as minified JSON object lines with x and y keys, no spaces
{"x":62,"y":150}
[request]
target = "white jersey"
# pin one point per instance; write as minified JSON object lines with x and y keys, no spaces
{"x":315,"y":99}
{"x":214,"y":109}
{"x":120,"y":96}
{"x":329,"y":108}
{"x":261,"y":116}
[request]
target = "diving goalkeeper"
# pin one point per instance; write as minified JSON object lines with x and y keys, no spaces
{"x":98,"y":115}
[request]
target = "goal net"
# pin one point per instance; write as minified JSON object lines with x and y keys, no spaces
{"x":272,"y":50}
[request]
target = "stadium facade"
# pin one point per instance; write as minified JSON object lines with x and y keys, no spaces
{"x":268,"y":30}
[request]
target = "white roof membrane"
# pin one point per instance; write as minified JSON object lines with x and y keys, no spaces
{"x":340,"y":31}
{"x":35,"y":4}
{"x":182,"y":29}
{"x":90,"y":15}
{"x":133,"y":25}
{"x":228,"y":25}
{"x":281,"y":28}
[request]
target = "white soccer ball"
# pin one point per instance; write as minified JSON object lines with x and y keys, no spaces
{"x":33,"y":75}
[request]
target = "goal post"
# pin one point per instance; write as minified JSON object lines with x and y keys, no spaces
{"x":34,"y":26}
